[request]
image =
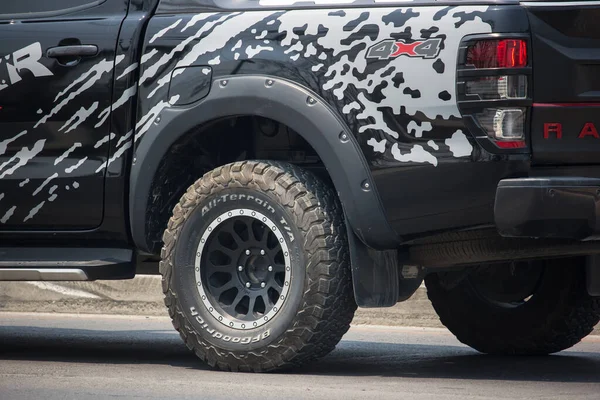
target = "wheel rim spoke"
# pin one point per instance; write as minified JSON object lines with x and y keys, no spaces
{"x":231,"y":307}
{"x":251,"y":235}
{"x":225,"y":250}
{"x":265,"y":238}
{"x":217,"y":291}
{"x":276,"y":286}
{"x":267,"y":300}
{"x":229,"y":228}
{"x":251,"y":305}
{"x":277,"y":267}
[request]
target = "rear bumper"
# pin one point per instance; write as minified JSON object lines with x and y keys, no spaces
{"x":562,"y":207}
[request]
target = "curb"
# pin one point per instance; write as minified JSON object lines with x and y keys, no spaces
{"x":142,"y":296}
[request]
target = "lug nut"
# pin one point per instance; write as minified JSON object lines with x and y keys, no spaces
{"x":248,"y":284}
{"x":270,"y":268}
{"x":247,"y":252}
{"x":262,"y":252}
{"x":240,"y":268}
{"x":262,"y":284}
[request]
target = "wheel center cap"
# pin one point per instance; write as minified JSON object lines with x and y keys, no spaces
{"x":257,"y":268}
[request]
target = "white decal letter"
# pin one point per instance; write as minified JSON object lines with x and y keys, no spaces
{"x":27,"y":58}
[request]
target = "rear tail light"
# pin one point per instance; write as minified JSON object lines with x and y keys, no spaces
{"x":504,"y":126}
{"x":494,"y":91}
{"x":509,"y":87}
{"x":503,"y":53}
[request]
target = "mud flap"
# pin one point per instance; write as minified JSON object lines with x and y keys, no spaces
{"x":374,"y":274}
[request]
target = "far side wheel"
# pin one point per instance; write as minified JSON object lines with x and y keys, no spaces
{"x":255,"y":267}
{"x":525,"y":308}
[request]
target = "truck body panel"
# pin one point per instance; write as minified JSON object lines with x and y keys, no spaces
{"x":389,"y":75}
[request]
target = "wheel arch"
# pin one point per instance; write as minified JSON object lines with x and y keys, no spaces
{"x":289,"y":104}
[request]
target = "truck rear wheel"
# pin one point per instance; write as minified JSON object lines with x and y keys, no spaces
{"x":255,"y":267}
{"x":524,"y":308}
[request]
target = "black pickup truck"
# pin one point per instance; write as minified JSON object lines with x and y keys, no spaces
{"x":285,"y":161}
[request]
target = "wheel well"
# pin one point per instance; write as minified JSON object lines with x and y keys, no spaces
{"x":214,"y":144}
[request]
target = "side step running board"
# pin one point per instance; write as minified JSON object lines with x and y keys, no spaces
{"x":65,"y":264}
{"x":42,"y":274}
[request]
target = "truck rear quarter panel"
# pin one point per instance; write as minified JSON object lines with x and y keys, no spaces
{"x":401,"y":107}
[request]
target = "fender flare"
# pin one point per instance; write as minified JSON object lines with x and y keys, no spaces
{"x":287,"y":103}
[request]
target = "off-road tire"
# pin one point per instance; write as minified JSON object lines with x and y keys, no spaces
{"x":558,"y":315}
{"x":325,"y":305}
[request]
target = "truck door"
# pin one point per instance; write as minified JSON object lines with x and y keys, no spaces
{"x":56,"y":75}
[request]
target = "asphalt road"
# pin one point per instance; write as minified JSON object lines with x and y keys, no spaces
{"x":51,"y":356}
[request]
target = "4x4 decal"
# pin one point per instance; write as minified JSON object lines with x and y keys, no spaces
{"x":391,"y":48}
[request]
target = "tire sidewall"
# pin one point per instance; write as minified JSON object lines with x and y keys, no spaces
{"x":184,"y":281}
